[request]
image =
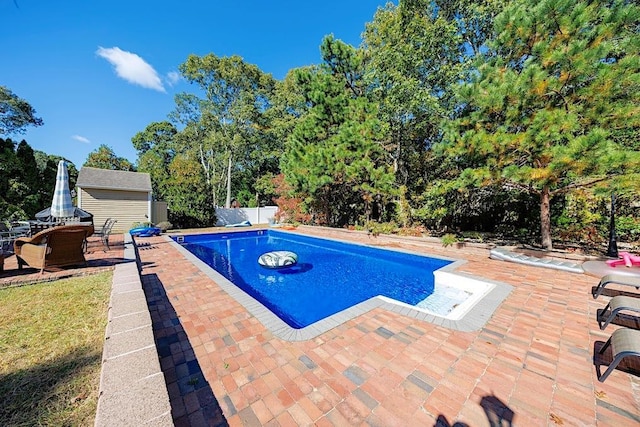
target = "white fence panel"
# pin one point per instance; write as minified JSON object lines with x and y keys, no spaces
{"x":263,"y":215}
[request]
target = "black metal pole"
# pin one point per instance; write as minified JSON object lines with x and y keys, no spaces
{"x":612,"y":249}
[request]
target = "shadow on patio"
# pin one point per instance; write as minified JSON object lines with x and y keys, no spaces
{"x":498,"y":414}
{"x":192,"y":400}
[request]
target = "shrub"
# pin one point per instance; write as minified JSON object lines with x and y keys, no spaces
{"x":376,"y":228}
{"x":142,"y":224}
{"x":418,"y":231}
{"x":579,"y":218}
{"x":290,"y":209}
{"x":627,"y":228}
{"x":473,"y":235}
{"x":164,"y":226}
{"x":449,"y":239}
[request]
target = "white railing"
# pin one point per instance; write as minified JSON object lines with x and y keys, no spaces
{"x":263,"y":215}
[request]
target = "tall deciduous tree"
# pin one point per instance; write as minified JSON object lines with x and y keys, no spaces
{"x":176,"y":174}
{"x":104,"y":157}
{"x":156,"y":147}
{"x":188,"y":114}
{"x":187,"y":194}
{"x":15,"y":113}
{"x":413,"y":59}
{"x":334,"y":156}
{"x":473,"y":18}
{"x":229,"y":117}
{"x":549,"y":109}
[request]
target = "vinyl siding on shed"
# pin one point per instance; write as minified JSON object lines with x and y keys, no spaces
{"x":128,"y":207}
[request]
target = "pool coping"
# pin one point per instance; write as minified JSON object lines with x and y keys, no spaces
{"x":474,"y":319}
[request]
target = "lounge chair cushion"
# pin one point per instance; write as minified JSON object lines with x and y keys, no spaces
{"x":624,"y":342}
{"x":618,"y":279}
{"x":507,"y":255}
{"x":617,"y":304}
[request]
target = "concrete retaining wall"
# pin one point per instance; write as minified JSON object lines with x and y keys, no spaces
{"x":133,"y":391}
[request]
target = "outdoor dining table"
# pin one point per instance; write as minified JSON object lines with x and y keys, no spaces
{"x":38,"y":226}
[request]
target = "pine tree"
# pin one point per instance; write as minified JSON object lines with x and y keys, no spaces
{"x":554,"y":105}
{"x":334,"y":156}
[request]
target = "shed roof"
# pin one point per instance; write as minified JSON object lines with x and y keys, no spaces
{"x":113,"y":180}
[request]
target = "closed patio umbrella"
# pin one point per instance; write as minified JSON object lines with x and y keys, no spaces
{"x":62,"y":205}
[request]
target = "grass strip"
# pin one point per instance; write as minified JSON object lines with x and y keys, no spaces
{"x":51,"y":340}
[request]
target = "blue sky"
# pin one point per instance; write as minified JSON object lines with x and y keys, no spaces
{"x":98,"y":72}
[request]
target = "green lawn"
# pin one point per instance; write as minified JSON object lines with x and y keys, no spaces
{"x":51,"y":338}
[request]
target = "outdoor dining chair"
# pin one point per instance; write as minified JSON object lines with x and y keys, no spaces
{"x":105,"y":231}
{"x":8,"y":236}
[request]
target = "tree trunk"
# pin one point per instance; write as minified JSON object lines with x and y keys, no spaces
{"x":545,"y":218}
{"x":228,"y":201}
{"x":396,"y":156}
{"x":206,"y":167}
{"x":214,"y":187}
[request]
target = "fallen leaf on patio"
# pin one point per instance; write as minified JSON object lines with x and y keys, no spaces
{"x":556,"y":419}
{"x":601,"y":394}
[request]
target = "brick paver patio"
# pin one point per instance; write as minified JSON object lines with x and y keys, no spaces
{"x":97,"y":256}
{"x":531,"y":364}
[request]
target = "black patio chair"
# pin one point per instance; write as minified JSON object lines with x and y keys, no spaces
{"x":7,"y":236}
{"x":105,"y":231}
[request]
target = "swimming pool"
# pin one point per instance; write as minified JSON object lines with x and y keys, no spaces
{"x":329,"y":277}
{"x":341,"y":290}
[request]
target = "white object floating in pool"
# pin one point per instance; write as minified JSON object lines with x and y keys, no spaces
{"x":277,"y":259}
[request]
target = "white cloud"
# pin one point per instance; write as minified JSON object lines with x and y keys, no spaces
{"x":132,"y":68}
{"x":173,"y":77}
{"x":81,"y":139}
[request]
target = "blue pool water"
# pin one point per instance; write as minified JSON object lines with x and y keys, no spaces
{"x":330,"y":276}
